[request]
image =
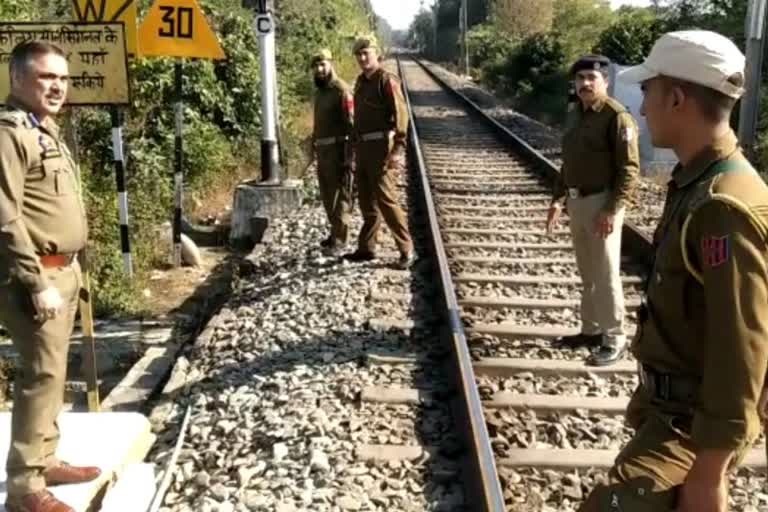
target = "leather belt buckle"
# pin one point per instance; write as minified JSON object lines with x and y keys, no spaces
{"x":573,"y":193}
{"x":56,"y":260}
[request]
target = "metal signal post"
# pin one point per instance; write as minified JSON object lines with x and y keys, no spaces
{"x":263,"y":24}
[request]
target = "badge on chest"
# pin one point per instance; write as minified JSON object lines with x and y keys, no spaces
{"x":48,"y":148}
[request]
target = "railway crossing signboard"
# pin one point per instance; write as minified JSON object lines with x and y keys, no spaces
{"x":96,"y":53}
{"x":178,"y":28}
{"x":106,"y":11}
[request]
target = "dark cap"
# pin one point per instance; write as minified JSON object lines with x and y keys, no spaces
{"x":595,"y":62}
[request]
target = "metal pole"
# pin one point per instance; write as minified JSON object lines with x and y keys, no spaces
{"x":434,"y":32}
{"x":750,"y":103}
{"x":464,"y":30}
{"x":122,"y":194}
{"x":270,"y":159}
{"x":178,"y":175}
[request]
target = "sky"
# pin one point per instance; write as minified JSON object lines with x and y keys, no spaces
{"x":399,"y":13}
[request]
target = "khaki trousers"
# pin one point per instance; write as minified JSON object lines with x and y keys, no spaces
{"x":333,"y":192}
{"x":598,"y":260}
{"x":650,"y":469}
{"x":376,"y":189}
{"x":39,"y":386}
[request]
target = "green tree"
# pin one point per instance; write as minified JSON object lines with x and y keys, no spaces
{"x":723,"y":16}
{"x":421,"y":33}
{"x":521,"y":18}
{"x":579,"y":23}
{"x":630,"y":38}
{"x":489,"y":47}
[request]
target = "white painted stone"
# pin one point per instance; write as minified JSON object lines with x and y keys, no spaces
{"x":134,"y":490}
{"x":111,"y":441}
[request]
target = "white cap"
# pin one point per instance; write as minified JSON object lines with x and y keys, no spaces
{"x":697,"y":56}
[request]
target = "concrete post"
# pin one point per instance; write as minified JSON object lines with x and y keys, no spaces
{"x":750,"y":103}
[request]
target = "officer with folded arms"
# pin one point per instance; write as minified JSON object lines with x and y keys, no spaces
{"x":600,"y":167}
{"x":702,"y":341}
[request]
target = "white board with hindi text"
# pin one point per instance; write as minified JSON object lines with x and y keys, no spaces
{"x":96,"y":52}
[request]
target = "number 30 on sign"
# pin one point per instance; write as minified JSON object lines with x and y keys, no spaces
{"x":178,"y":28}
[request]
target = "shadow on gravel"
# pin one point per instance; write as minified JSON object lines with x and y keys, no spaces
{"x":346,"y":344}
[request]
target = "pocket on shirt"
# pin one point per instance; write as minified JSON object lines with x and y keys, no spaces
{"x":58,"y":179}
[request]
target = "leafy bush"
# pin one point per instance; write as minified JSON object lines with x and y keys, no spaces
{"x":630,"y":39}
{"x":489,"y":46}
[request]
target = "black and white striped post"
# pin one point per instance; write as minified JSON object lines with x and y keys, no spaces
{"x":122,"y":195}
{"x":178,"y":175}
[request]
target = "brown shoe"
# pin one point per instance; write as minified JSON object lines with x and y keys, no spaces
{"x":42,"y":501}
{"x":66,"y":474}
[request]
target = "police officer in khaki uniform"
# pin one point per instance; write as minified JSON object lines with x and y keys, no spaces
{"x":42,"y":227}
{"x":702,"y":342}
{"x":334,"y":117}
{"x":381,"y":129}
{"x":600,"y":167}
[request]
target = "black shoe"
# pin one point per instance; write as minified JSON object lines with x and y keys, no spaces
{"x":579,"y":340}
{"x":334,"y":251}
{"x":359,"y":256}
{"x":406,"y":261}
{"x":606,"y":356}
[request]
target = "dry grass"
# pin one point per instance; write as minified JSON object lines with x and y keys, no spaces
{"x":217,"y":195}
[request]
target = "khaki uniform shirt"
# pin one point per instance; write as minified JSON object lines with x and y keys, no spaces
{"x":715,"y":332}
{"x":334,"y":110}
{"x":41,"y":209}
{"x":600,"y":152}
{"x":380,"y":106}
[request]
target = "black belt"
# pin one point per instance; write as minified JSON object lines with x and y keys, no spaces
{"x":575,"y":192}
{"x":668,"y":387}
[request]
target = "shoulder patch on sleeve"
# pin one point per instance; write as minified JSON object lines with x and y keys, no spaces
{"x":715,"y":250}
{"x":389,"y":86}
{"x":348,"y":102}
{"x":390,"y":83}
{"x":628,"y":133}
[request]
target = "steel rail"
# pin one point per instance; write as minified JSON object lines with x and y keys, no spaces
{"x":635,"y":241}
{"x":482,"y":483}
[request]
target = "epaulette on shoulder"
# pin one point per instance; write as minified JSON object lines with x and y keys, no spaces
{"x":388,"y":75}
{"x":12,"y":117}
{"x":340,"y":85}
{"x":615,"y":105}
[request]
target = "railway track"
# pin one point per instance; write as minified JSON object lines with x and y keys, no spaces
{"x":539,"y":426}
{"x":329,"y":386}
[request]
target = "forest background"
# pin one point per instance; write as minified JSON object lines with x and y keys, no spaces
{"x":521,"y":49}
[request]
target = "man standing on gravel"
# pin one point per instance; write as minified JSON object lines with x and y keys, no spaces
{"x":600,"y":167}
{"x":381,"y":130}
{"x":702,"y":343}
{"x":42,"y":227}
{"x":334,"y":118}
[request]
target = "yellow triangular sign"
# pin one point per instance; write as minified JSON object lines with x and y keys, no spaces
{"x":178,"y":28}
{"x":103,"y":11}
